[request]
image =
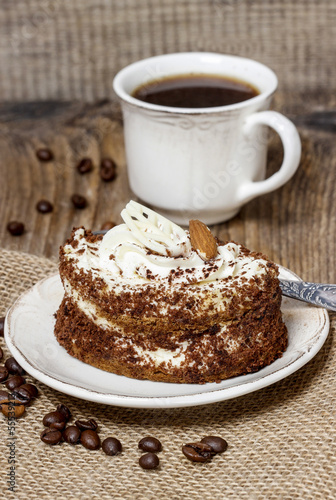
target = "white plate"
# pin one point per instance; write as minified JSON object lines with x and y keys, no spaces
{"x":29,"y":336}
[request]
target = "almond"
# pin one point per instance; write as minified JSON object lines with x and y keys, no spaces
{"x":202,"y":240}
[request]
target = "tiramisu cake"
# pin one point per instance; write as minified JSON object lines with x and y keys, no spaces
{"x":149,"y":300}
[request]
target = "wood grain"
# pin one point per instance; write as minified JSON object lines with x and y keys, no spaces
{"x":295,"y":225}
{"x":72,"y":50}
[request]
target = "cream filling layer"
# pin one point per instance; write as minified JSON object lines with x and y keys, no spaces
{"x":159,"y":356}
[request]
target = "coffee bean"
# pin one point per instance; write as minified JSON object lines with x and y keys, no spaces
{"x":150,"y":444}
{"x":90,"y":439}
{"x":25,"y":393}
{"x":22,"y":396}
{"x":51,"y":436}
{"x":218,"y":444}
{"x":107,"y":170}
{"x":111,"y":446}
{"x":107,"y":226}
{"x":71,"y":434}
{"x":85,"y":425}
{"x":85,"y":166}
{"x":31,"y":389}
{"x":3,"y":373}
{"x":13,"y":367}
{"x":12,"y":409}
{"x":78,"y":201}
{"x":2,"y":326}
{"x":65,"y":410}
{"x":44,"y":206}
{"x":15,"y":228}
{"x":197,"y":452}
{"x":149,"y":461}
{"x":54,"y":419}
{"x":1,"y":353}
{"x":44,"y":154}
{"x":14,"y":382}
{"x":3,"y":395}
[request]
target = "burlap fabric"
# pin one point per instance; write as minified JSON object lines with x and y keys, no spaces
{"x":61,"y":49}
{"x":281,"y":439}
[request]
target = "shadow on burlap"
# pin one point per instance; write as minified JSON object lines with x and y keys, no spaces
{"x":281,"y":439}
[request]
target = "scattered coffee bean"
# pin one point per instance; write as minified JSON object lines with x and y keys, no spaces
{"x":149,"y":461}
{"x":71,"y":434}
{"x":14,"y":382}
{"x":150,"y":444}
{"x":3,"y":373}
{"x":31,"y":389}
{"x":44,"y":206}
{"x":15,"y":228}
{"x":1,"y":353}
{"x":197,"y":452}
{"x":85,"y":425}
{"x":25,"y":393}
{"x":218,"y":444}
{"x":85,"y":166}
{"x":107,"y":225}
{"x":111,"y":446}
{"x":44,"y":154}
{"x":78,"y":201}
{"x":54,"y":419}
{"x":13,"y":367}
{"x":3,"y":395}
{"x":22,"y":396}
{"x":51,"y":436}
{"x":65,"y":410}
{"x":2,"y":326}
{"x":12,"y":409}
{"x":90,"y":439}
{"x":107,"y":170}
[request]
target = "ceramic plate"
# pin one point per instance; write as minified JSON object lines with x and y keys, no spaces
{"x":29,"y":336}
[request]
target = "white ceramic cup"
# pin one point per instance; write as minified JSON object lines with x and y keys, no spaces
{"x":203,"y":163}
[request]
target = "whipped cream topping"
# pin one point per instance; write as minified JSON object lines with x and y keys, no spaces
{"x":149,"y":247}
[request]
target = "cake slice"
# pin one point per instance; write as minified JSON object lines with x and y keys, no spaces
{"x":149,"y":300}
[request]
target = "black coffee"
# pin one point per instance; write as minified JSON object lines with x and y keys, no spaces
{"x":195,"y":91}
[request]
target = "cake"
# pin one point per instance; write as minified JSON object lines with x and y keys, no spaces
{"x":149,"y":300}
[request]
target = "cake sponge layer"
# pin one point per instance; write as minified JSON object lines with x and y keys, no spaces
{"x":236,"y":348}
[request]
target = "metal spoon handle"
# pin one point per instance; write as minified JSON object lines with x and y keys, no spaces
{"x":320,"y":294}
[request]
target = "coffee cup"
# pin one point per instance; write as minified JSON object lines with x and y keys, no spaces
{"x":204,"y":162}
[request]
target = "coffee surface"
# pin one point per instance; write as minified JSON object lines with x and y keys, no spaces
{"x":195,"y":91}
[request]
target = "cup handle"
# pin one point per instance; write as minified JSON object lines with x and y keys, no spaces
{"x":292,"y":153}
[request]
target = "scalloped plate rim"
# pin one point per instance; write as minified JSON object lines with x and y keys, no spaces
{"x":213,"y":395}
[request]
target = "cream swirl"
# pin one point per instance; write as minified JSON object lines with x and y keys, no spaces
{"x":150,"y":247}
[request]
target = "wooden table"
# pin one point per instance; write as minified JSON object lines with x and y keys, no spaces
{"x":281,"y":438}
{"x":295,"y":226}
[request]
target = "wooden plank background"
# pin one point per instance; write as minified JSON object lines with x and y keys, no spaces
{"x":295,"y":225}
{"x":65,"y":50}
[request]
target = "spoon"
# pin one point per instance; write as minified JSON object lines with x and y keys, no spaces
{"x":319,"y":294}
